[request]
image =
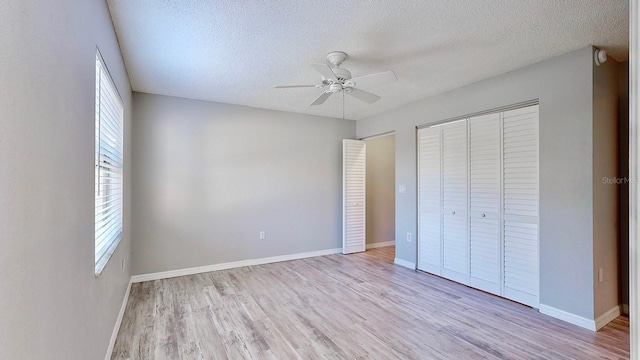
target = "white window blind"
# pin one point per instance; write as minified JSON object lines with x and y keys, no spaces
{"x":108,"y":166}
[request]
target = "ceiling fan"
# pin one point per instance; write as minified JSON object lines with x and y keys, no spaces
{"x":337,"y":79}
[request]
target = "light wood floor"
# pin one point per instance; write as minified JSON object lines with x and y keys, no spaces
{"x":358,"y":306}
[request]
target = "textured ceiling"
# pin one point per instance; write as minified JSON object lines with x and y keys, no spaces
{"x":234,"y":51}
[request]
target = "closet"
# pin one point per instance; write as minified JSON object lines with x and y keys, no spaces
{"x":478,"y":202}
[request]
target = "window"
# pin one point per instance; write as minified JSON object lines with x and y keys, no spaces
{"x":108,"y":166}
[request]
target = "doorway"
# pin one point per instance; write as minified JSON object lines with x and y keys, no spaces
{"x":380,"y":191}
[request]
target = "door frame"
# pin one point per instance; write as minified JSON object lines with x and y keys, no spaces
{"x":395,"y":190}
{"x":634,"y":186}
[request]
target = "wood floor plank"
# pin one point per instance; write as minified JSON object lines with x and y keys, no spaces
{"x":358,"y":306}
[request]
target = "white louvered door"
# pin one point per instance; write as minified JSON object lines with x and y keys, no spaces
{"x":429,"y":200}
{"x":455,"y":245}
{"x":478,"y":203}
{"x":353,"y":196}
{"x":484,"y":203}
{"x":520,"y":205}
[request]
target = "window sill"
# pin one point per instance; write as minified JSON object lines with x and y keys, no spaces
{"x":102,"y":263}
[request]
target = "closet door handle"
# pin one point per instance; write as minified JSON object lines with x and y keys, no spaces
{"x":484,"y":215}
{"x":453,"y":212}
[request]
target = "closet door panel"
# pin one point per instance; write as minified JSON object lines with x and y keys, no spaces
{"x":354,"y":196}
{"x":484,"y":203}
{"x":521,"y":252}
{"x":429,"y":200}
{"x":478,"y":203}
{"x":455,"y":259}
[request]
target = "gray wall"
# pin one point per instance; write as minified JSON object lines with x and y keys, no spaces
{"x":208,"y":177}
{"x":623,"y":172}
{"x":51,"y":304}
{"x":563,"y":86}
{"x":605,"y":195}
{"x":381,"y":177}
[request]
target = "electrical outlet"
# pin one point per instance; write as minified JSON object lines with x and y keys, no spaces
{"x":261,"y":235}
{"x":600,"y":275}
{"x":124,"y":263}
{"x":409,"y":237}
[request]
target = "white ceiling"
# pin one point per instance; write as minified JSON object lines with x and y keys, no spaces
{"x":234,"y":51}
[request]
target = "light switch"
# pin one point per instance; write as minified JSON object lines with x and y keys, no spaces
{"x":402,"y":189}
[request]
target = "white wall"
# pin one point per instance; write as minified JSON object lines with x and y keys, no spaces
{"x":564,"y":88}
{"x":51,"y":304}
{"x":381,"y":178}
{"x":208,"y":177}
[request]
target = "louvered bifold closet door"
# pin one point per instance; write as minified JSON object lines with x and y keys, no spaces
{"x":353,"y":196}
{"x":455,"y":246}
{"x":429,"y":200}
{"x":520,"y":211}
{"x":484,"y":203}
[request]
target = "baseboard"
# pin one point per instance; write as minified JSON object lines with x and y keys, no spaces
{"x":593,"y":325}
{"x":404,"y":263}
{"x":568,"y":317}
{"x":625,"y":309}
{"x":607,"y":317}
{"x":116,"y":327}
{"x":230,"y":265}
{"x":380,"y":244}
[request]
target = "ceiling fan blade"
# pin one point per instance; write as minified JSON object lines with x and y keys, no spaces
{"x":379,"y":78}
{"x":322,"y":98}
{"x":363,"y":95}
{"x":293,"y":86}
{"x":325,"y":71}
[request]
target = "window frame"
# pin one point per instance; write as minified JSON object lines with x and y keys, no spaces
{"x":108,"y":164}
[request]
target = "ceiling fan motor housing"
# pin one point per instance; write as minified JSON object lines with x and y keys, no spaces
{"x":334,"y":88}
{"x":336,"y":58}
